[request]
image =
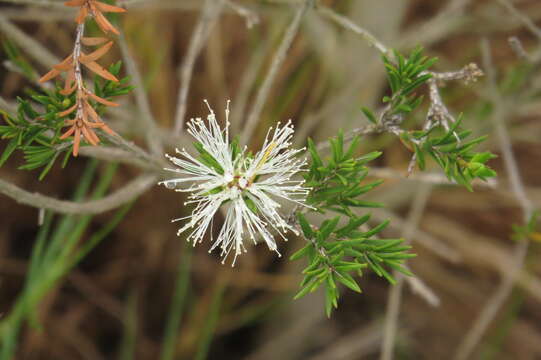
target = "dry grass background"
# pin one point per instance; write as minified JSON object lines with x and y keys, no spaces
{"x":116,"y":302}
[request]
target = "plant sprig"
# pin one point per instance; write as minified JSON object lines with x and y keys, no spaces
{"x":342,"y":246}
{"x":36,"y":128}
{"x":336,"y":182}
{"x":450,"y":150}
{"x":444,"y":143}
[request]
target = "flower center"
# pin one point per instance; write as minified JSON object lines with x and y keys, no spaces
{"x":238,"y":181}
{"x":243,"y":183}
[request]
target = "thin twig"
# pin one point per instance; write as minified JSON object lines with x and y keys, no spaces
{"x":148,"y":121}
{"x":530,"y":25}
{"x":395,"y":293}
{"x":108,"y":153}
{"x":436,"y":178}
{"x":496,"y":301}
{"x":207,"y":20}
{"x":120,"y":197}
{"x":484,"y":253}
{"x":359,"y":343}
{"x":251,"y":17}
{"x":277,"y":61}
{"x":425,"y":239}
{"x":350,"y":25}
{"x":516,"y":46}
{"x":249,"y":78}
{"x":421,"y":289}
{"x":135,"y":150}
{"x":437,"y":27}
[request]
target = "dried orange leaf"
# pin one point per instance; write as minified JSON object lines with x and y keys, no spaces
{"x":69,"y":84}
{"x":104,"y":24}
{"x":95,"y":55}
{"x":102,"y":100}
{"x":50,"y":75}
{"x":93,"y":134}
{"x":103,"y":126}
{"x":90,"y":110}
{"x":62,"y":67}
{"x":108,"y":8}
{"x":90,"y":136}
{"x":93,"y":41}
{"x":70,"y":79}
{"x":68,"y":91}
{"x":67,"y":111}
{"x":65,"y":64}
{"x":68,"y":133}
{"x":76,"y":141}
{"x":98,"y":69}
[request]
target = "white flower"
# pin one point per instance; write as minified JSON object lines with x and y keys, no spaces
{"x":247,"y":186}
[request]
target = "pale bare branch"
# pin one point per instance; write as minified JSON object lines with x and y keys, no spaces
{"x":395,"y":292}
{"x":277,"y":61}
{"x":147,"y":119}
{"x":130,"y":191}
{"x":208,"y":18}
{"x":350,"y":25}
{"x":530,"y":25}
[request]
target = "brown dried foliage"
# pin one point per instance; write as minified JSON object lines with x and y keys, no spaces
{"x":95,"y":9}
{"x":83,"y":117}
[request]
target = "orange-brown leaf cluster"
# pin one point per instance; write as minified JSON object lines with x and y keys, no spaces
{"x":85,"y":121}
{"x":83,"y":118}
{"x":68,"y":65}
{"x":96,"y":10}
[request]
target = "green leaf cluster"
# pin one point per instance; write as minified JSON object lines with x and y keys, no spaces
{"x":336,"y":253}
{"x":342,"y":246}
{"x":447,"y":145}
{"x":336,"y":182}
{"x":405,"y":75}
{"x":36,"y":127}
{"x":107,"y":89}
{"x":453,"y":153}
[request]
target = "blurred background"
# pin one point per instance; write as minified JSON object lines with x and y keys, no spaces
{"x":117,"y":302}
